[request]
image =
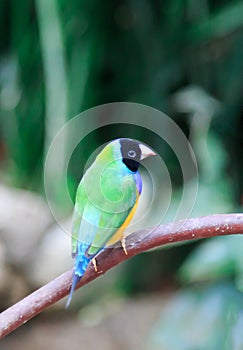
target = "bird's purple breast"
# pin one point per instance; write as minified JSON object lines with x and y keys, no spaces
{"x":138,"y":180}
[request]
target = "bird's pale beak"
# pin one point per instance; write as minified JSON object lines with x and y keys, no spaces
{"x":146,"y":151}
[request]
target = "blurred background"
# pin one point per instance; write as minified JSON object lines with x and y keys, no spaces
{"x":59,"y":58}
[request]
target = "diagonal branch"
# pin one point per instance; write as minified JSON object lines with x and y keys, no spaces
{"x":189,"y":229}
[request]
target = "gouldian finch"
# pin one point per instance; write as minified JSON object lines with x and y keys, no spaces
{"x":106,"y":200}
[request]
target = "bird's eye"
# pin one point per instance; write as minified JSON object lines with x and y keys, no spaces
{"x":131,"y":153}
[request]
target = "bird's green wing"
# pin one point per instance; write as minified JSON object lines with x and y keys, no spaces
{"x":75,"y":230}
{"x":81,"y":199}
{"x":109,"y":226}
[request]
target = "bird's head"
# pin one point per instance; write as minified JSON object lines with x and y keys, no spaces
{"x":130,"y":151}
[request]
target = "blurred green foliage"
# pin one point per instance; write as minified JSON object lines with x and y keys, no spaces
{"x":217,"y":258}
{"x":59,"y":57}
{"x":201,"y":318}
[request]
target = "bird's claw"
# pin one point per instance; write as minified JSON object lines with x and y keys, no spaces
{"x":123,"y":243}
{"x":95,"y":265}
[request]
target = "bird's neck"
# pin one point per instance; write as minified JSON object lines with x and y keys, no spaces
{"x":132,"y":165}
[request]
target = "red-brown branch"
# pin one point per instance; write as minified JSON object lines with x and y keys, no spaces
{"x":190,"y":229}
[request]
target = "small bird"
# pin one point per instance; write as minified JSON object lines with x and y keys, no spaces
{"x":106,"y":201}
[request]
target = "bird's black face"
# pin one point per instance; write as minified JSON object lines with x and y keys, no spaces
{"x":131,"y":153}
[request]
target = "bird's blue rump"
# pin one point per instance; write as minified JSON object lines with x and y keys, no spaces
{"x":81,"y":260}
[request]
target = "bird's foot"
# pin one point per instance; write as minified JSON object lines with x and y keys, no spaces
{"x":95,"y":265}
{"x":123,"y":243}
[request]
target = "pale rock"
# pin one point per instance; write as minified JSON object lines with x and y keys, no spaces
{"x":24,"y":218}
{"x":52,"y":257}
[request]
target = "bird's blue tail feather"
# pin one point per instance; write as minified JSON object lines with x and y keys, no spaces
{"x":75,"y":280}
{"x":80,"y":266}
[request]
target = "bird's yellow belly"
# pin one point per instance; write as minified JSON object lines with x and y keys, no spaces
{"x":118,"y":235}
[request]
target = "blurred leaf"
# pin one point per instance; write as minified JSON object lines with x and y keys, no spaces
{"x":199,"y":319}
{"x":224,"y":22}
{"x":237,"y":333}
{"x":216,"y":258}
